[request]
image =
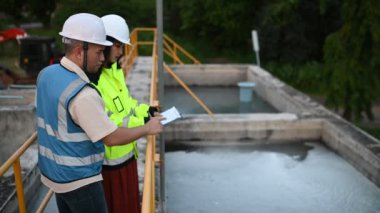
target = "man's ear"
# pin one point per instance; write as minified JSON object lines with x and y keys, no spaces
{"x":78,"y":52}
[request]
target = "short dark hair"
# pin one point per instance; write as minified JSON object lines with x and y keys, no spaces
{"x":70,"y":44}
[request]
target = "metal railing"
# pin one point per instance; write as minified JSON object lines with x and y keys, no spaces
{"x":15,"y":161}
{"x":131,"y":52}
{"x":149,"y":197}
{"x":151,"y":158}
{"x":172,"y":49}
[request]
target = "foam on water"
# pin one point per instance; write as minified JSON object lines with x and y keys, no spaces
{"x":303,"y":178}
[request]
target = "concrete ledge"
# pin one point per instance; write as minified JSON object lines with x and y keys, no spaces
{"x":17,"y":124}
{"x":353,"y":145}
{"x":211,"y":75}
{"x":271,"y":127}
{"x":283,"y":97}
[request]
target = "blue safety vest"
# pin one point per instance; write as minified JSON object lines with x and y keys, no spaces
{"x":65,"y":152}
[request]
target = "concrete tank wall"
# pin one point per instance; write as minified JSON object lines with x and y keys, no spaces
{"x":208,"y":75}
{"x":17,"y":123}
{"x":301,"y":118}
{"x":239,"y":127}
{"x":354,"y":145}
{"x":282,"y":96}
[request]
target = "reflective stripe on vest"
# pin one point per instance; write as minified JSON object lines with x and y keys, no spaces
{"x":62,"y":133}
{"x":70,"y":161}
{"x":117,"y":161}
{"x":66,"y":153}
{"x":120,"y":108}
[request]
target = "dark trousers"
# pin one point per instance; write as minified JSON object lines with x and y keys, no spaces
{"x":89,"y":198}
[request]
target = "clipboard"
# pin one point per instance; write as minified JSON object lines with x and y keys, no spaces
{"x":170,"y":115}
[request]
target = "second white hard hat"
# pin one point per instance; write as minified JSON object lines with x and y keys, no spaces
{"x":85,"y":27}
{"x":117,"y":28}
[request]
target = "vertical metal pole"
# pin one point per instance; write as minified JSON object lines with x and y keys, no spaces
{"x":19,"y":186}
{"x":160,"y":67}
{"x":257,"y":58}
{"x":256,"y":48}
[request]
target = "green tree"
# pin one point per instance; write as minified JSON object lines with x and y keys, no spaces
{"x":12,"y":11}
{"x":352,"y":59}
{"x":137,"y":13}
{"x":16,"y":12}
{"x":293,"y":31}
{"x":290,"y":31}
{"x":224,"y":24}
{"x":42,"y":11}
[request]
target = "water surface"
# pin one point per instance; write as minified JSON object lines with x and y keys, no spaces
{"x":217,"y":99}
{"x":303,"y":177}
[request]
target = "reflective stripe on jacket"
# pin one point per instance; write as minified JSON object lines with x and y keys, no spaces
{"x":65,"y":153}
{"x":122,"y":109}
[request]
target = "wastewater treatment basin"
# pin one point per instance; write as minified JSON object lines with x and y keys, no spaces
{"x":281,"y":177}
{"x":293,"y":156}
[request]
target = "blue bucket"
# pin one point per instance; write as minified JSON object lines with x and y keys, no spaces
{"x":246,"y":89}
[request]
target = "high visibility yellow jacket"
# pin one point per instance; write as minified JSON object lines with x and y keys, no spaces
{"x":122,"y":109}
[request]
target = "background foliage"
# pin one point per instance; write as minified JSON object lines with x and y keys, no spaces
{"x":325,"y":47}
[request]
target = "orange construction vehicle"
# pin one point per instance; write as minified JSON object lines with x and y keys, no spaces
{"x":35,"y":53}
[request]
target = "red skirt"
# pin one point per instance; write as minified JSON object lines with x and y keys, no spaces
{"x":121,"y":187}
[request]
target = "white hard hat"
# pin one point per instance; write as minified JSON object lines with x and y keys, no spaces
{"x":117,"y":28}
{"x":85,"y":27}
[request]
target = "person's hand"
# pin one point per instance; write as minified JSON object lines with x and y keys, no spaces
{"x":151,"y":113}
{"x":154,"y":125}
{"x":152,"y":110}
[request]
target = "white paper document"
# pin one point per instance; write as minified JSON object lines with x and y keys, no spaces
{"x":171,"y":114}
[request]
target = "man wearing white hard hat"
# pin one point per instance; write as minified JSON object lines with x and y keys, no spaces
{"x":72,"y":124}
{"x":120,"y":165}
